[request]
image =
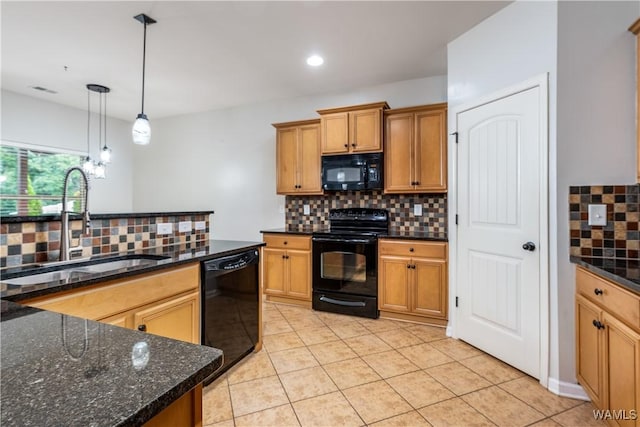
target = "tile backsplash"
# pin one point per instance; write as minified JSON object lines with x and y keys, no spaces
{"x":39,"y":241}
{"x":620,"y":238}
{"x":400,"y":207}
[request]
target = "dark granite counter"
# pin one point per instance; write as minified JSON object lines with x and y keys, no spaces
{"x":56,"y":217}
{"x":626,"y":273}
{"x":65,"y":371}
{"x":175,"y":255}
{"x":393,"y":233}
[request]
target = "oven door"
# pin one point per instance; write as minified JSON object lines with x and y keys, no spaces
{"x":345,"y":265}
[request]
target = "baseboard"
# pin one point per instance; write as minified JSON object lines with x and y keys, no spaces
{"x":566,"y":389}
{"x":449,"y":331}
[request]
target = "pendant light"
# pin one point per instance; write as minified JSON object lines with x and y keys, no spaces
{"x":141,"y":131}
{"x":87,"y":165}
{"x":98,"y":169}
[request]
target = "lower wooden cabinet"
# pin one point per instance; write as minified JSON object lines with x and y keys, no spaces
{"x":412,"y":280}
{"x":608,"y":348}
{"x":286,"y":274}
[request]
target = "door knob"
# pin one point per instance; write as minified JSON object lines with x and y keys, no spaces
{"x":529,"y":246}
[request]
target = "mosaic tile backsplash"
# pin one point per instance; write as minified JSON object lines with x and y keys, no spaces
{"x":620,"y":238}
{"x":400,"y":206}
{"x":29,"y":242}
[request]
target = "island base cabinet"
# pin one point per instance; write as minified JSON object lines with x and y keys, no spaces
{"x":588,"y":351}
{"x":181,"y":413}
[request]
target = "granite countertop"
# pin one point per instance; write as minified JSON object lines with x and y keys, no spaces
{"x":624,"y":272}
{"x":393,"y":232}
{"x":64,"y":370}
{"x":175,"y":255}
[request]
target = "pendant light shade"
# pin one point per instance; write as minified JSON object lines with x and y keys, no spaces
{"x":141,"y":131}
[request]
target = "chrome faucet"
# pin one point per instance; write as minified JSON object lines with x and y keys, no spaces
{"x":65,"y":237}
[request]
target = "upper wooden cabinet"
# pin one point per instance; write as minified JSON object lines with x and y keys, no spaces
{"x":635,"y":29}
{"x":415,"y":149}
{"x":353,"y":129}
{"x":298,"y":157}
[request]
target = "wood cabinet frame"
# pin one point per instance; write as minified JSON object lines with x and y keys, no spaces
{"x":635,"y":29}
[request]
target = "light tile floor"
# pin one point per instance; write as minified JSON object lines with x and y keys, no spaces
{"x":323,"y":369}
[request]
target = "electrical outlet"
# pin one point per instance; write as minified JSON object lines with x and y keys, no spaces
{"x":165,"y":228}
{"x":306,"y":209}
{"x":201,"y":225}
{"x":597,"y":215}
{"x":280,"y":208}
{"x":417,"y":210}
{"x":184,"y":226}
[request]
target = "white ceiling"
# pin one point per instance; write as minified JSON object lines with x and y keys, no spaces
{"x":207,"y":55}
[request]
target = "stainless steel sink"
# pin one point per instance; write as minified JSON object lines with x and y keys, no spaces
{"x":114,"y":265}
{"x":51,"y":276}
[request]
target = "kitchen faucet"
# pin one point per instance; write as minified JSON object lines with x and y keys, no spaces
{"x":65,"y":237}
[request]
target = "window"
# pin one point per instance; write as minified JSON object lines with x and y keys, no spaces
{"x":31,"y":179}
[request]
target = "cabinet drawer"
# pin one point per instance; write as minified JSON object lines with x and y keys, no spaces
{"x":625,"y":305}
{"x":287,"y":241}
{"x":413,"y":248}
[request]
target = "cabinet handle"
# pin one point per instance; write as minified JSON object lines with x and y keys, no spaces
{"x":417,"y":182}
{"x":598,"y":291}
{"x":285,"y":242}
{"x":142,"y":328}
{"x":283,"y":256}
{"x":408,"y":265}
{"x":411,"y":249}
{"x":413,"y":183}
{"x":353,"y":145}
{"x":598,"y":324}
{"x":346,"y":145}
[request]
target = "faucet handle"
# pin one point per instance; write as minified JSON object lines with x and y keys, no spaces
{"x":86,"y":222}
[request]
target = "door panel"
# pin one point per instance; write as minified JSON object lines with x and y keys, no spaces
{"x":429,"y":288}
{"x":274,"y":271}
{"x":309,"y":159}
{"x":588,"y":356}
{"x":394,"y":292}
{"x":287,"y":160}
{"x":398,"y":156}
{"x":365,"y":130}
{"x":299,"y":269}
{"x":335,"y":133}
{"x":177,"y":318}
{"x":431,"y":151}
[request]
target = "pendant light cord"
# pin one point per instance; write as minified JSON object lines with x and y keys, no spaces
{"x":144,"y":56}
{"x":88,"y":122}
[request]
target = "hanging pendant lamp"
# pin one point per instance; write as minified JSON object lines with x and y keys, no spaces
{"x":141,"y":131}
{"x":98,"y":169}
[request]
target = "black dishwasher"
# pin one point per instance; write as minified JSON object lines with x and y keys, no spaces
{"x":229,"y":311}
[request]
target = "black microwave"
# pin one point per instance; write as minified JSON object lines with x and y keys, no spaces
{"x":352,"y":172}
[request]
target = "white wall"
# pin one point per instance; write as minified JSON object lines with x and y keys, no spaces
{"x":34,"y":121}
{"x":225,"y":160}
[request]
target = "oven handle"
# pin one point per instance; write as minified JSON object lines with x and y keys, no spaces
{"x":340,"y":240}
{"x":340,"y":302}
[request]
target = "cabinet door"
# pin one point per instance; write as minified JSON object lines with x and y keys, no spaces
{"x":335,"y":133}
{"x":124,"y":320}
{"x":365,"y":128}
{"x":621,"y":368}
{"x":431,"y":151}
{"x":429,"y":288}
{"x":177,"y":318}
{"x":398,"y":153}
{"x":299,"y":274}
{"x":588,"y":346}
{"x":309,"y":160}
{"x":393,"y":289}
{"x":274,"y":271}
{"x":286,"y":160}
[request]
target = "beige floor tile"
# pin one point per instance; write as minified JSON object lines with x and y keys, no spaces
{"x":227,"y":423}
{"x":349,"y":330}
{"x":399,"y":338}
{"x":216,"y":402}
{"x":427,"y":333}
{"x":458,"y":378}
{"x":319,"y":335}
{"x":413,"y":419}
{"x":502,"y":408}
{"x":491,"y":368}
{"x":547,"y":422}
{"x":276,"y":327}
{"x":424,"y":355}
{"x":330,"y":352}
{"x":292,"y":360}
{"x":307,"y":383}
{"x":272,"y":316}
{"x":279,"y":342}
{"x":580,"y":416}
{"x":390,"y":363}
{"x":254,"y":366}
{"x":334,"y":318}
{"x":293,"y":310}
{"x":281,"y":416}
{"x":367,"y":344}
{"x":304,"y":322}
{"x":257,"y":395}
{"x":326,"y":410}
{"x":529,"y":390}
{"x":381,"y":325}
{"x":419,"y":389}
{"x":376,"y":401}
{"x":350,"y":373}
{"x":456,"y":349}
{"x":454,"y":412}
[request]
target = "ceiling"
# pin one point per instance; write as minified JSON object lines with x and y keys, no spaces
{"x":207,"y":55}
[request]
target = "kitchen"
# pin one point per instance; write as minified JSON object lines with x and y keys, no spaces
{"x":218,"y":147}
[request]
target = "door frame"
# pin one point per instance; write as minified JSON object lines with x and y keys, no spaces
{"x":542,"y":82}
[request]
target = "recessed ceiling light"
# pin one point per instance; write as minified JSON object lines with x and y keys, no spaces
{"x":315,"y":60}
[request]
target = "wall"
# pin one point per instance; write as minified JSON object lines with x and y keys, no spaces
{"x":225,"y":160}
{"x":34,"y":121}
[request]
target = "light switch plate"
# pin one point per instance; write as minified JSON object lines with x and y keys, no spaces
{"x":184,"y":226}
{"x":201,"y":225}
{"x":417,"y":210}
{"x":597,"y":215}
{"x":165,"y":228}
{"x":306,"y":209}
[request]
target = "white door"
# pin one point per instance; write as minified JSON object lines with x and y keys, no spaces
{"x":499,"y":210}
